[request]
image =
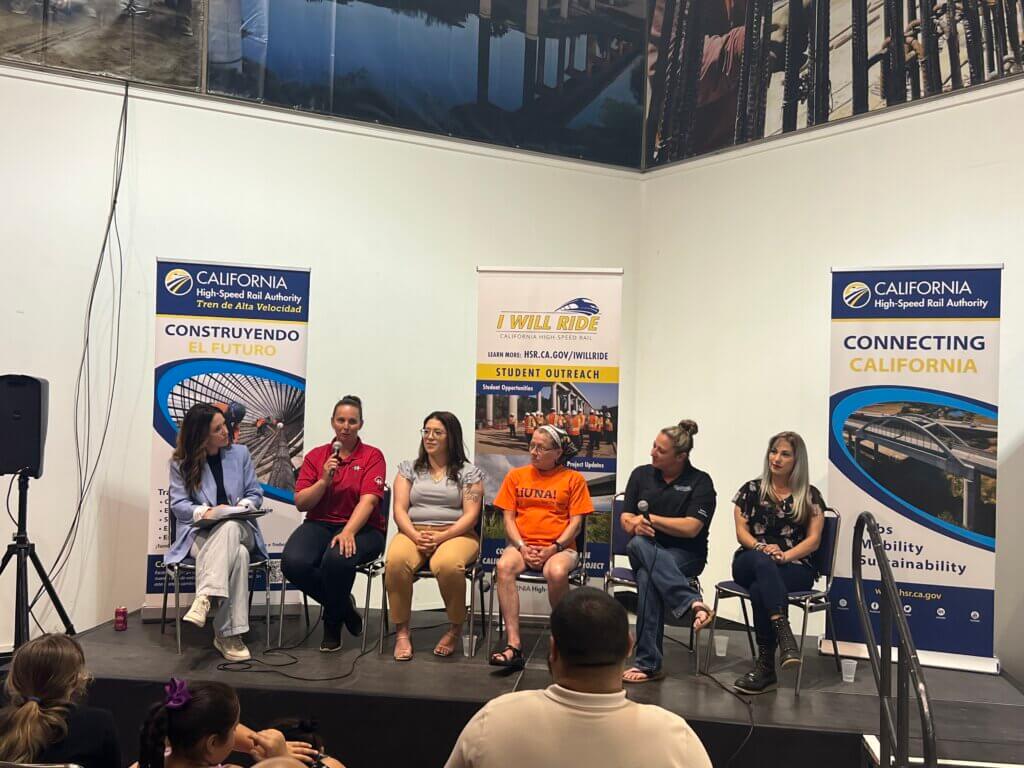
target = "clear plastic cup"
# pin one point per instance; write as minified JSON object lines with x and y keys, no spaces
{"x":849,"y":670}
{"x":468,"y":645}
{"x":721,"y":644}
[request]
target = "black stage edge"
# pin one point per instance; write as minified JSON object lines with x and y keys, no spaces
{"x":411,"y":713}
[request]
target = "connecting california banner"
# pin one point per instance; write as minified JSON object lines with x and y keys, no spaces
{"x":548,"y":353}
{"x":233,"y":336}
{"x":913,"y":438}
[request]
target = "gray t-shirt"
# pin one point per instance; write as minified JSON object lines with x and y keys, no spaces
{"x":440,"y":502}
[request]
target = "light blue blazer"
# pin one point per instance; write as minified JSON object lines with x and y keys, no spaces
{"x":239,"y":482}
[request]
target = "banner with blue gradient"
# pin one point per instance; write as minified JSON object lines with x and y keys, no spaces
{"x":233,"y":336}
{"x":913,"y":439}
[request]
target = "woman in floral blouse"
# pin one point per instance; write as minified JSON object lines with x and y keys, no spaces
{"x":778,"y":524}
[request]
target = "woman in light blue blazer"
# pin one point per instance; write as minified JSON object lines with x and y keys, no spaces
{"x":207,"y":474}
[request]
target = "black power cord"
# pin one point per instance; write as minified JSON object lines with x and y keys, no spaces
{"x":87,"y":464}
{"x":728,"y":689}
{"x":261,"y":667}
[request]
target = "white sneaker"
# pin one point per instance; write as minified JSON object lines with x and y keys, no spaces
{"x":232,"y":648}
{"x":197,"y":613}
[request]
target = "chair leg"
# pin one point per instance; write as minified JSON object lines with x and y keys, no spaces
{"x":163,"y":612}
{"x":491,"y":632}
{"x":830,"y":623}
{"x":177,"y":608}
{"x":750,"y":635}
{"x":305,"y":608}
{"x":484,"y":629}
{"x":711,"y":635}
{"x":366,"y":610}
{"x":803,"y":636}
{"x":471,"y":651}
{"x":280,"y":613}
{"x":383,"y":610}
{"x":266,"y":597}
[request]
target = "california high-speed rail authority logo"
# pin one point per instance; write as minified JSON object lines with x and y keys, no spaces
{"x":856,"y":295}
{"x":178,"y":282}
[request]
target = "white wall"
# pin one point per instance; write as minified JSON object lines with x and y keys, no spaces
{"x":726,"y":291}
{"x":392,"y":225}
{"x":733,"y":287}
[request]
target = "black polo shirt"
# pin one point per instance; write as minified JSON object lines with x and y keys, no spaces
{"x":692,"y":494}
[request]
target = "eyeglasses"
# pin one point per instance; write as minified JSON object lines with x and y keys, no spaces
{"x":433,"y":432}
{"x":534,"y":448}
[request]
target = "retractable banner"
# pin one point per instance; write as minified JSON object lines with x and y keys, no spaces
{"x":913,"y":437}
{"x":233,"y":336}
{"x":548,"y":353}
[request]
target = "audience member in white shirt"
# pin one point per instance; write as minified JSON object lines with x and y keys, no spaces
{"x":585,"y":716}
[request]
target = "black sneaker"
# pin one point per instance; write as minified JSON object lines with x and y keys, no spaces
{"x":332,"y":638}
{"x":354,"y":622}
{"x":757,"y":681}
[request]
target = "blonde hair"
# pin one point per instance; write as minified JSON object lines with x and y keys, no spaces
{"x":799,"y":484}
{"x":681,"y":435}
{"x":47,"y":675}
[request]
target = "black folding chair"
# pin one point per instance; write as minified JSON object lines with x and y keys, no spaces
{"x":577,"y":578}
{"x":809,"y":601}
{"x":370,"y":570}
{"x":474,"y":573}
{"x":188,"y":565}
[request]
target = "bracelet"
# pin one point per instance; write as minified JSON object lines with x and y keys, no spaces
{"x":759,"y":546}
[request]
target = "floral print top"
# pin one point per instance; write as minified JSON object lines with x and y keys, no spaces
{"x":771,"y":522}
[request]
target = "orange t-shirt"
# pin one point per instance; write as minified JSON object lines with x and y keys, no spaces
{"x":544,"y":501}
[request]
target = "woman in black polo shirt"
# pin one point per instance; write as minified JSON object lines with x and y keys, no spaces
{"x":779,"y":520}
{"x":668,"y":508}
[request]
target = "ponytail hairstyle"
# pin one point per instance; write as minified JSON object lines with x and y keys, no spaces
{"x":352,"y":400}
{"x":798,"y":478}
{"x":47,"y":676}
{"x":190,"y":450}
{"x":188,"y":715}
{"x":681,"y":436}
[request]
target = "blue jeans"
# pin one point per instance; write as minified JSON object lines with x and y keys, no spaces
{"x":662,"y":579}
{"x":768,"y":583}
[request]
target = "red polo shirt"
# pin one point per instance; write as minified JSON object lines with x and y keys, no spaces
{"x":361,"y":473}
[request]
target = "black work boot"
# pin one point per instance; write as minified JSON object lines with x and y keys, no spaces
{"x":789,"y":653}
{"x":761,"y":678}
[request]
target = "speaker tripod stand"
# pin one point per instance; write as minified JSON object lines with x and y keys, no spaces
{"x":22,"y":551}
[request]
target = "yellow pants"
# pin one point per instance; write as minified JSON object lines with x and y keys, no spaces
{"x":448,"y":564}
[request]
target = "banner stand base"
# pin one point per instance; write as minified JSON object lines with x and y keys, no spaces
{"x":983,"y":664}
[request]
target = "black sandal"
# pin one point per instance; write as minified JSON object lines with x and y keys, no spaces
{"x":515,"y":661}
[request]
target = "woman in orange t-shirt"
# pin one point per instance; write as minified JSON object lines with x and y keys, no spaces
{"x":543,"y":503}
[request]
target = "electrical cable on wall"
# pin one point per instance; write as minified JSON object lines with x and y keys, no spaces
{"x":111,"y":256}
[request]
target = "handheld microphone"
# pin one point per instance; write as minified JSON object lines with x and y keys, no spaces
{"x":335,"y":450}
{"x":644,"y":509}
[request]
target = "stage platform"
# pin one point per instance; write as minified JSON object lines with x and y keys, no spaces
{"x":409,"y":714}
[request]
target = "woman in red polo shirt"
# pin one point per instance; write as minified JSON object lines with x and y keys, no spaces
{"x":339,"y":488}
{"x":544,"y":503}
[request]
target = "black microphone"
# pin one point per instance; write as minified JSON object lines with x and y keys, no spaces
{"x":335,"y":450}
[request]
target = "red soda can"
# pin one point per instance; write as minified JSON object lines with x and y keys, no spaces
{"x":120,"y":619}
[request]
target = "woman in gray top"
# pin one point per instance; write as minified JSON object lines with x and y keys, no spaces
{"x":436,"y":502}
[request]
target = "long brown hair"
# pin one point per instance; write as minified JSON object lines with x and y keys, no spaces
{"x":456,"y":447}
{"x":47,"y":675}
{"x":190,"y":450}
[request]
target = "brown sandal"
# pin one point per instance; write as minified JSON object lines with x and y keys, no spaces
{"x":443,"y":649}
{"x":648,"y":677}
{"x":699,"y":606}
{"x":403,"y":653}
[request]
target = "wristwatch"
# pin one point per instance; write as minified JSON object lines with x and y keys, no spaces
{"x":559,"y":546}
